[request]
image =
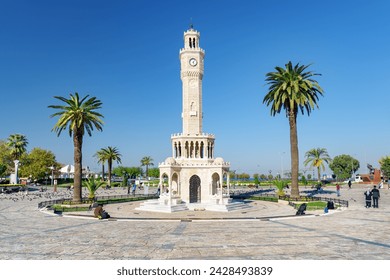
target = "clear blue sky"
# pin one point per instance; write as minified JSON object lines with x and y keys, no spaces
{"x":126,"y":54}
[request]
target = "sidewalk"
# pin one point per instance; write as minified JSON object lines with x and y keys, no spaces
{"x":354,"y":233}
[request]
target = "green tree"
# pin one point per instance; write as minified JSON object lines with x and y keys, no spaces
{"x":385,"y":166}
{"x":154,"y":172}
{"x":110,"y":154}
{"x":304,"y":180}
{"x":243,"y":176}
{"x":77,"y":116}
{"x":133,"y":172}
{"x":256,"y":180}
{"x":5,"y":157}
{"x":147,"y":161}
{"x":37,"y":163}
{"x":3,"y":169}
{"x":316,"y":158}
{"x":292,"y":89}
{"x":343,"y":166}
{"x":18,"y":144}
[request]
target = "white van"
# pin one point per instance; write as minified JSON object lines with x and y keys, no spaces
{"x":358,"y":179}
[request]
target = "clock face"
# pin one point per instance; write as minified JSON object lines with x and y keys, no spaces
{"x":193,"y":62}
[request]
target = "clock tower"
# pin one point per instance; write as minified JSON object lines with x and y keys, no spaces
{"x":191,"y":73}
{"x":192,"y":178}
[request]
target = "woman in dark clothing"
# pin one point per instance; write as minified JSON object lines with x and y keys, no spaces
{"x":368,"y":196}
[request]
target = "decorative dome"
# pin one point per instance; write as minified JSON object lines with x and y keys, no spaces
{"x":218,"y":160}
{"x":170,"y":161}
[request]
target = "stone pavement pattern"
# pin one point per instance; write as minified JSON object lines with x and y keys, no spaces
{"x":354,"y":233}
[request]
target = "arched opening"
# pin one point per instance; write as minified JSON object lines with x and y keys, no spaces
{"x":195,"y":190}
{"x":192,"y":149}
{"x":175,"y":184}
{"x":187,"y":155}
{"x":215,"y":184}
{"x":164,"y":183}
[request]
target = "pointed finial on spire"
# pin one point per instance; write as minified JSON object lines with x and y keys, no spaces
{"x":191,"y":25}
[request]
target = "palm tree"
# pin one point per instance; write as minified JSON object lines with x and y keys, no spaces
{"x":147,"y":161}
{"x":18,"y":144}
{"x":92,"y":185}
{"x":77,"y":116}
{"x":293,"y":90}
{"x":317,"y":158}
{"x":101,"y":159}
{"x":110,"y":154}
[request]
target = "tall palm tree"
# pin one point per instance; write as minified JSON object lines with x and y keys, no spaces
{"x":101,"y":159}
{"x":77,"y":116}
{"x":293,"y":90}
{"x":147,"y":161}
{"x":18,"y":144}
{"x":110,"y":154}
{"x":317,"y":158}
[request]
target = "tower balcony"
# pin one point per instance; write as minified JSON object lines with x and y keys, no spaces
{"x":192,"y":49}
{"x":192,"y":135}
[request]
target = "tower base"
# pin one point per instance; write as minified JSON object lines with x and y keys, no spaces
{"x":162,"y":205}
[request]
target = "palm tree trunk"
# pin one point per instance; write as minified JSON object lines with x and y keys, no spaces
{"x":294,"y":154}
{"x":103,"y":171}
{"x":109,"y":163}
{"x":78,"y":144}
{"x":319,"y":174}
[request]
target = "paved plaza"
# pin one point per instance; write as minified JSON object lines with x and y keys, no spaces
{"x":267,"y":230}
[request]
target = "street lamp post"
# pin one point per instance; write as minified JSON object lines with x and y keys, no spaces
{"x":52,"y":177}
{"x":16,"y":162}
{"x":269,"y":177}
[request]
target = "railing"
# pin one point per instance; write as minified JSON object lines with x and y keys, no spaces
{"x":313,"y":198}
{"x":242,"y":194}
{"x":86,"y":200}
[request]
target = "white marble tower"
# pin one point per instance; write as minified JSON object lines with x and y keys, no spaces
{"x":192,"y":178}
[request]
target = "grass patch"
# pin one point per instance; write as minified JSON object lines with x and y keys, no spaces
{"x":313,"y":205}
{"x":60,"y":208}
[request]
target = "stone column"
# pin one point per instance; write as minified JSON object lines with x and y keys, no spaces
{"x":228,"y":183}
{"x":170,"y":188}
{"x":221,"y":184}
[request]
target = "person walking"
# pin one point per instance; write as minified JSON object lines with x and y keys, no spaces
{"x":338,"y":189}
{"x":368,"y":196}
{"x":349,"y":183}
{"x":375,"y":197}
